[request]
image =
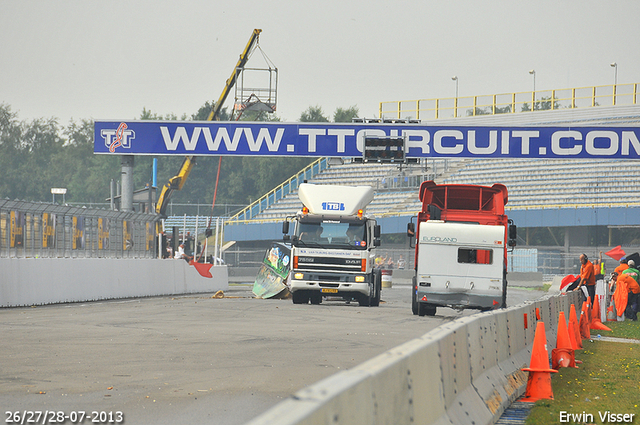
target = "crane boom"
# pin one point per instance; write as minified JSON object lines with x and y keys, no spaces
{"x":177,"y":181}
{"x":213,"y":116}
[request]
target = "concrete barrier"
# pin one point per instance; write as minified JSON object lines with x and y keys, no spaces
{"x":35,"y":281}
{"x":525,"y":279}
{"x":465,"y":372}
{"x":402,"y":276}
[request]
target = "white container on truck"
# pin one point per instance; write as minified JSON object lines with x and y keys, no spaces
{"x":333,"y":246}
{"x":461,"y":248}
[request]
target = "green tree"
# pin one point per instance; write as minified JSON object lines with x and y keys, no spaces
{"x":544,"y":104}
{"x":32,"y":175}
{"x":478,"y":111}
{"x":85,"y":175}
{"x":313,"y":114}
{"x":41,"y":154}
{"x":205,"y":110}
{"x":11,"y":155}
{"x":346,"y":115}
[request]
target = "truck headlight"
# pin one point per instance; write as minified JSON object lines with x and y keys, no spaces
{"x":298,"y":276}
{"x":359,"y":279}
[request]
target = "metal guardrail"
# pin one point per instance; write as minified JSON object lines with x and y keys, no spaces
{"x":279,"y":192}
{"x":45,"y":230}
{"x":508,"y":103}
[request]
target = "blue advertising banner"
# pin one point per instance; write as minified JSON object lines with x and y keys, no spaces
{"x":201,"y":138}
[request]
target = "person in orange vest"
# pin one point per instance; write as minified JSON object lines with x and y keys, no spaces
{"x":598,"y":268}
{"x":617,"y":271}
{"x":587,"y":278}
{"x":622,"y":266}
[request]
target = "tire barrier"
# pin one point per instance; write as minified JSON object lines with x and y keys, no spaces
{"x":467,"y":371}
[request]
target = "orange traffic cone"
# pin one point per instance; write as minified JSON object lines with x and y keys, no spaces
{"x":572,"y":335}
{"x":611,"y":315}
{"x":573,"y":321}
{"x":584,"y":321}
{"x":563,"y":355}
{"x":596,"y":322}
{"x":539,"y":381}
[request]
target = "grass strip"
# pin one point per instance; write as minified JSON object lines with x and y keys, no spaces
{"x":606,"y":383}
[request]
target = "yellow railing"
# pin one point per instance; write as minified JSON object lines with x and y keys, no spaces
{"x":508,"y":103}
{"x":273,"y":196}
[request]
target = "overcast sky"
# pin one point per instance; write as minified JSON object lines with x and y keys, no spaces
{"x":80,"y":59}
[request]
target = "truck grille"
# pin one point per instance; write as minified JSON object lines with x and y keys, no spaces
{"x":320,"y":264}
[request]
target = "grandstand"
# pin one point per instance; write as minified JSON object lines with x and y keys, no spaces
{"x":533,"y":184}
{"x":543,"y":193}
{"x":395,"y":185}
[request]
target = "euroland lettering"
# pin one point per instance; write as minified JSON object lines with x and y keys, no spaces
{"x":605,"y":417}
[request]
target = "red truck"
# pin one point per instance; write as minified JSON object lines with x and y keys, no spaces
{"x":462,"y":237}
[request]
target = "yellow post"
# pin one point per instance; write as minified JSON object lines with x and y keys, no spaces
{"x":533,"y":101}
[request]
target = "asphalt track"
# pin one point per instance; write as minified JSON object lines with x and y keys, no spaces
{"x":193,"y":359}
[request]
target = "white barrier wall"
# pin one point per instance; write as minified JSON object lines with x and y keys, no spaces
{"x":464,"y":372}
{"x":33,"y":281}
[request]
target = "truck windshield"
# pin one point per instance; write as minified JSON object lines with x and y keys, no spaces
{"x":331,"y":234}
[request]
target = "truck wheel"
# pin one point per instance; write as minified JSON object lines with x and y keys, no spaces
{"x":300,"y":297}
{"x":366,"y":300}
{"x":377,"y":288}
{"x":316,"y":297}
{"x":425,"y":309}
{"x":414,"y":297}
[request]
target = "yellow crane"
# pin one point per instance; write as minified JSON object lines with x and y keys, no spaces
{"x":177,"y":182}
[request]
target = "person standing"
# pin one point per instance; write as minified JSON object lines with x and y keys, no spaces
{"x":598,"y":268}
{"x":622,"y":266}
{"x":634,"y":290}
{"x":587,"y":278}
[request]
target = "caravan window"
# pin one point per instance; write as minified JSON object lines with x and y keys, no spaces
{"x":475,"y":256}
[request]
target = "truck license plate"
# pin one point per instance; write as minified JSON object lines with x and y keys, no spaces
{"x":329,"y":290}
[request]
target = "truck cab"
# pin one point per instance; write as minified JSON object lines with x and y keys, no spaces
{"x":333,"y":246}
{"x":461,"y":246}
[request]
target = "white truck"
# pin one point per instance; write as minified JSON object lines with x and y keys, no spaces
{"x":462,"y":239}
{"x":333,"y":245}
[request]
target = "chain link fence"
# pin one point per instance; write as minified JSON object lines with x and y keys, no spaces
{"x":45,"y":230}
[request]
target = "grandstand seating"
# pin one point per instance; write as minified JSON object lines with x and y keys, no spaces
{"x":557,"y":183}
{"x":532,"y":183}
